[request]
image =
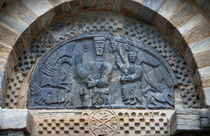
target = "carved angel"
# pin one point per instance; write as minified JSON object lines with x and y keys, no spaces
{"x":54,"y":86}
{"x":145,"y":81}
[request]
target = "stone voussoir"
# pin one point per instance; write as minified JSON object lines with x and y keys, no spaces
{"x":14,"y":118}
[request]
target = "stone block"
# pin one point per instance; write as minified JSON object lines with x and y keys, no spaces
{"x":12,"y":133}
{"x":13,"y":22}
{"x":3,"y":83}
{"x":169,"y":8}
{"x":200,"y":46}
{"x":119,"y":122}
{"x":200,"y":33}
{"x":184,"y":14}
{"x":205,"y":119}
{"x":46,"y":19}
{"x":55,"y":2}
{"x":204,"y":72}
{"x":206,"y":7}
{"x":4,"y":52}
{"x":200,"y":2}
{"x":7,"y":37}
{"x":12,"y":59}
{"x":74,"y":6}
{"x":185,"y":120}
{"x":179,"y":42}
{"x":117,"y":5}
{"x":38,"y":7}
{"x":58,"y":9}
{"x":14,"y":118}
{"x":147,"y":14}
{"x":34,"y":28}
{"x":19,"y":47}
{"x":192,"y":24}
{"x":20,"y":10}
{"x":88,"y":4}
{"x":101,"y":4}
{"x":205,"y":82}
{"x":206,"y":92}
{"x":202,"y":59}
{"x":165,"y":26}
{"x":155,"y":5}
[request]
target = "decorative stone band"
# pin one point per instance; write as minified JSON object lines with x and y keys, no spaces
{"x":104,"y":122}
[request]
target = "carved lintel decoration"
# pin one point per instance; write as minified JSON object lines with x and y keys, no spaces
{"x":101,"y":70}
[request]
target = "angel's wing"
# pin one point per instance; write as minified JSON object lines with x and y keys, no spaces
{"x":155,"y":73}
{"x":35,"y":89}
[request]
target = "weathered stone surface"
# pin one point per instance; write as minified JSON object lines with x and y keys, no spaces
{"x":206,"y":92}
{"x":74,"y":6}
{"x":88,"y":4}
{"x":7,"y":36}
{"x":205,"y":82}
{"x":12,"y":21}
{"x":169,"y":8}
{"x":131,"y":6}
{"x":20,"y":10}
{"x":206,"y":7}
{"x":183,"y":15}
{"x":179,"y":42}
{"x":166,"y":27}
{"x":101,"y":122}
{"x":14,"y":118}
{"x":19,"y":47}
{"x":55,"y":2}
{"x":201,"y":59}
{"x":99,"y":79}
{"x":198,"y":34}
{"x":117,"y":5}
{"x":204,"y":72}
{"x":185,"y":120}
{"x":205,"y":118}
{"x":200,"y":46}
{"x":155,"y":5}
{"x":147,"y":14}
{"x":192,"y":24}
{"x":12,"y":133}
{"x":46,"y":19}
{"x":38,"y":7}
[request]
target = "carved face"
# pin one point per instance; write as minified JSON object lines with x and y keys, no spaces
{"x":99,"y":47}
{"x":132,"y":57}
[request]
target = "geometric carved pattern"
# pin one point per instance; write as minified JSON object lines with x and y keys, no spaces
{"x":114,"y":123}
{"x":149,"y":36}
{"x":26,"y":61}
{"x":143,"y":123}
{"x":62,"y":29}
{"x":184,"y":80}
{"x":39,"y":44}
{"x":12,"y":93}
{"x":111,"y":22}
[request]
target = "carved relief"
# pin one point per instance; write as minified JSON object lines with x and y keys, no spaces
{"x":116,"y":122}
{"x":103,"y":123}
{"x":96,"y":70}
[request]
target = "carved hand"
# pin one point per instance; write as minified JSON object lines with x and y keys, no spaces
{"x":124,"y":79}
{"x":91,"y":81}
